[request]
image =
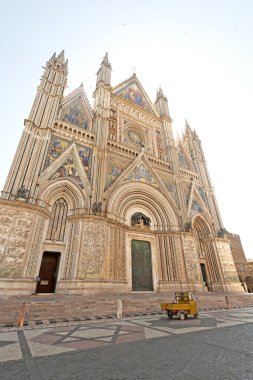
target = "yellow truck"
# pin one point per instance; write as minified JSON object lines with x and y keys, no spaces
{"x":183,"y":305}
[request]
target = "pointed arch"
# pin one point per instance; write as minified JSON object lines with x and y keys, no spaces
{"x":206,"y":249}
{"x":140,"y":197}
{"x":67,"y":190}
{"x":58,"y":220}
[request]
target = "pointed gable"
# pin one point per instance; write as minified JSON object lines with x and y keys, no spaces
{"x":58,"y":146}
{"x":75,"y":109}
{"x":69,"y":165}
{"x":68,"y":170}
{"x":133,"y":91}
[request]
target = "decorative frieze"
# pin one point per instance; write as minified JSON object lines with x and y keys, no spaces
{"x":16,"y":230}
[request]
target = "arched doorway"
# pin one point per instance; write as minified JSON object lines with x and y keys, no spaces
{"x":206,"y":252}
{"x":142,"y":279}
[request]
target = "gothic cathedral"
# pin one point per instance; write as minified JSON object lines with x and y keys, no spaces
{"x":104,"y":199}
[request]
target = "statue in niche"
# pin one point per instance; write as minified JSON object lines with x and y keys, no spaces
{"x":22,"y":193}
{"x":140,"y":220}
{"x":188,"y":226}
{"x":97,"y":208}
{"x":222,"y":233}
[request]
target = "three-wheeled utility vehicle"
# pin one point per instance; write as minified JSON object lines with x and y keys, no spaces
{"x":183,"y":305}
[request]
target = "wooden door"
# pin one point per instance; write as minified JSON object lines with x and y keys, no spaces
{"x":141,"y":266}
{"x":48,"y":272}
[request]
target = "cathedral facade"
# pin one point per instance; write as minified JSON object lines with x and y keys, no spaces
{"x":104,"y":199}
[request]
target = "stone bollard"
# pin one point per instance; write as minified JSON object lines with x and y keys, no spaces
{"x":228,"y":304}
{"x":119,"y":309}
{"x":21,"y":317}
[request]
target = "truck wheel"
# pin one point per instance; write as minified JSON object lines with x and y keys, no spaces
{"x":196,"y":315}
{"x":170,"y":314}
{"x":181,"y":316}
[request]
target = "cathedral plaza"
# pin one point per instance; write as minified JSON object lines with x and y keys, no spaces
{"x":216,"y":346}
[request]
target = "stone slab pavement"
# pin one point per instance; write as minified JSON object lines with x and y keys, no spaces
{"x":216,"y":346}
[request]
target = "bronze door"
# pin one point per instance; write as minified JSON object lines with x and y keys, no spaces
{"x":48,"y":272}
{"x":141,"y":266}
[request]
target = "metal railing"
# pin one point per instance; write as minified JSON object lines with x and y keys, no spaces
{"x":29,"y":200}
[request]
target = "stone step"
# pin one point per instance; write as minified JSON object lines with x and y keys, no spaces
{"x":58,"y":307}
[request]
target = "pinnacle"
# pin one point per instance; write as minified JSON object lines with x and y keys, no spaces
{"x":53,"y":57}
{"x":160,"y":94}
{"x":105,"y":60}
{"x":61,"y":55}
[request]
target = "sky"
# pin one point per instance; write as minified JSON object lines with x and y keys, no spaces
{"x":199,"y":51}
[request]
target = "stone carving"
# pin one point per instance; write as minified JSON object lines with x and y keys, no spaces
{"x":35,"y":247}
{"x":22,"y":193}
{"x":222,"y":233}
{"x":140,"y":219}
{"x":93,"y":251}
{"x":188,"y":226}
{"x":97,"y":208}
{"x":191,"y":260}
{"x":15,"y":230}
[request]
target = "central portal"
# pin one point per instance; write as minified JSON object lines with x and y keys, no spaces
{"x":141,"y":266}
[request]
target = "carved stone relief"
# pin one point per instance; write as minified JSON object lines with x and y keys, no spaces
{"x":93,"y":249}
{"x":16,"y":228}
{"x":227,"y":261}
{"x":191,"y":259}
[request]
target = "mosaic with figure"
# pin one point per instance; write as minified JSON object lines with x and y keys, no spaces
{"x":132,"y":93}
{"x":75,"y":115}
{"x":141,"y":173}
{"x":58,"y":146}
{"x":169,"y":185}
{"x":85,"y":154}
{"x":67,"y":170}
{"x":196,"y":206}
{"x":202,"y":194}
{"x":183,"y":162}
{"x":115,"y":167}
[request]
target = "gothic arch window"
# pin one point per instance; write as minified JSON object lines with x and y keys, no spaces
{"x":140,"y":219}
{"x":58,"y":219}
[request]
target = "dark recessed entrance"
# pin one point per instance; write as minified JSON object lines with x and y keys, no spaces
{"x":204,"y":275}
{"x":141,"y":266}
{"x":48,"y":272}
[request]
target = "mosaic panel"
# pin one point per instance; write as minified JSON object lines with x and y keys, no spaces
{"x":132,"y":93}
{"x":196,"y":206}
{"x":141,"y":173}
{"x":183,"y":162}
{"x":202,"y":194}
{"x":67,"y":170}
{"x":58,"y":146}
{"x":168,"y":183}
{"x":115,"y":167}
{"x":187,"y":190}
{"x":75,"y":114}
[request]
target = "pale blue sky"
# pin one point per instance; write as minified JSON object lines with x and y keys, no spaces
{"x":200,"y":52}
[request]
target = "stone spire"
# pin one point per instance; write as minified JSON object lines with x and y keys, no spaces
{"x":50,"y":92}
{"x":161,"y":103}
{"x":104,"y":73}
